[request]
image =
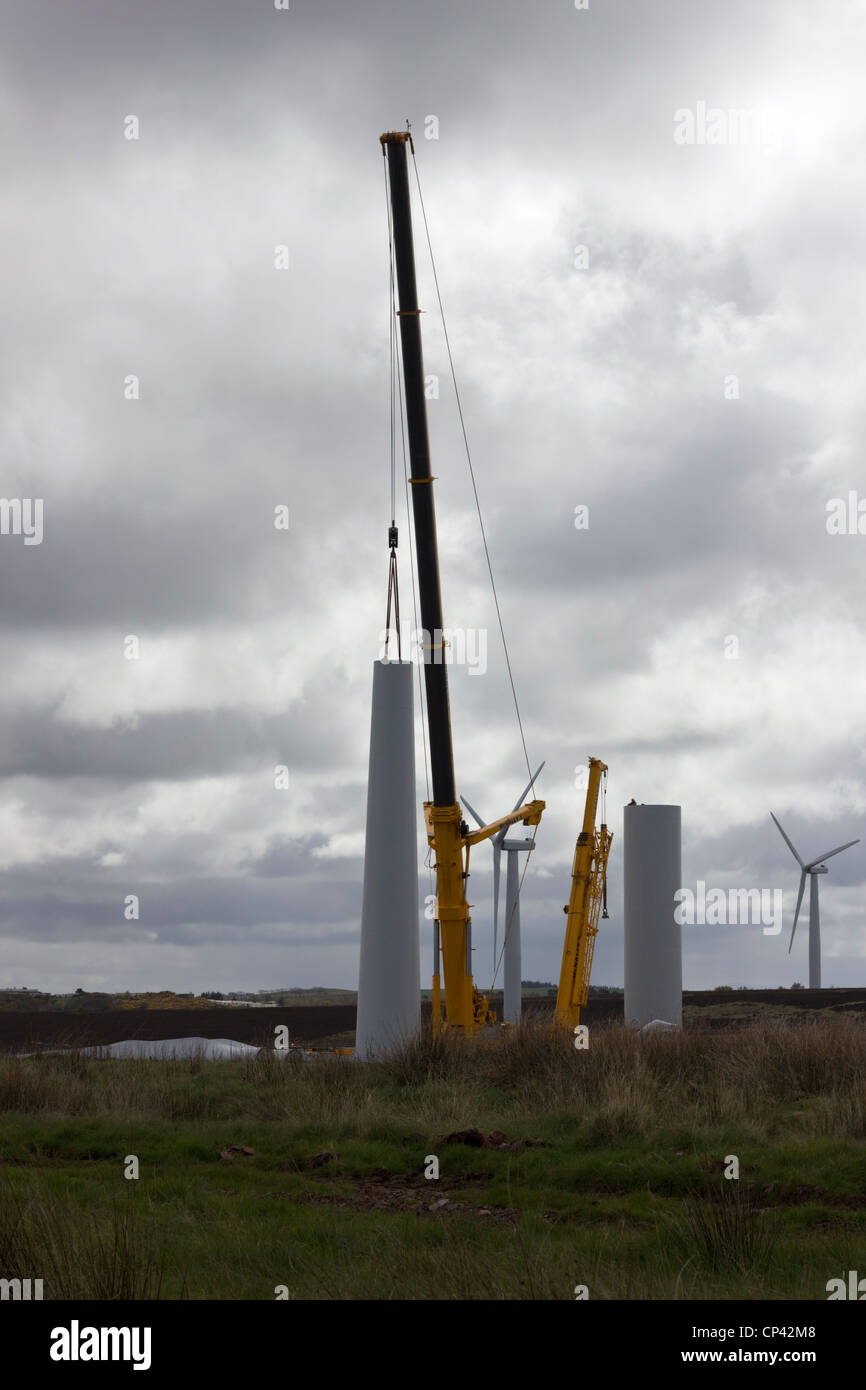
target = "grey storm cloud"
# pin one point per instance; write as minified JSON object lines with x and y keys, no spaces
{"x":602,"y":386}
{"x":174,"y":744}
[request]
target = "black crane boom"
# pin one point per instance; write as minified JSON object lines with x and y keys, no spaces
{"x":435,"y":671}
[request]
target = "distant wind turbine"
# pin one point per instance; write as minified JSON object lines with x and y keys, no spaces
{"x":512,"y":1001}
{"x":813,"y":869}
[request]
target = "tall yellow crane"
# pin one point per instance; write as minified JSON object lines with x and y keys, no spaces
{"x":466,"y":1009}
{"x":588,"y":893}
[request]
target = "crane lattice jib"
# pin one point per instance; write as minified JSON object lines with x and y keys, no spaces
{"x":588,"y":877}
{"x":596,"y":893}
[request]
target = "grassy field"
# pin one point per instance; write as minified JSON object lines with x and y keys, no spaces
{"x":557,"y":1168}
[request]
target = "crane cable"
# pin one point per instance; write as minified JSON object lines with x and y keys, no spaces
{"x":471,"y":469}
{"x":534,"y":828}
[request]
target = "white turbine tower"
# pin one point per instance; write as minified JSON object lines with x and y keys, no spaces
{"x":813,"y":869}
{"x":512,"y":1001}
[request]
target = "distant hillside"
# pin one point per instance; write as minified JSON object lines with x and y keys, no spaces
{"x":318,"y":994}
{"x":34,"y":1001}
{"x":83,"y":1001}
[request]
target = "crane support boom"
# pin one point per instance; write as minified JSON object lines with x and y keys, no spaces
{"x":588,"y":876}
{"x":423,"y":509}
{"x":465,"y":1007}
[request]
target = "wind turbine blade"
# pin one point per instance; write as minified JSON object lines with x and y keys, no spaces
{"x":518,"y":803}
{"x":528,"y":787}
{"x":497,"y":852}
{"x":788,"y":843}
{"x":797,"y":910}
{"x":474,"y":814}
{"x":822,"y":857}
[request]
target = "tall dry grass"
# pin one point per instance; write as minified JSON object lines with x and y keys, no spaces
{"x":44,"y":1236}
{"x":623,"y":1083}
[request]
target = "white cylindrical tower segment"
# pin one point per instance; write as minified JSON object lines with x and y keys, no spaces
{"x":652,"y":868}
{"x":512,"y":988}
{"x":389,"y":978}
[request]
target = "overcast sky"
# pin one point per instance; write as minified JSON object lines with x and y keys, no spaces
{"x":694,"y":377}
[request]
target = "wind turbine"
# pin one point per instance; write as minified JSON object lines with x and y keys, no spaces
{"x":512,"y":991}
{"x":813,"y":869}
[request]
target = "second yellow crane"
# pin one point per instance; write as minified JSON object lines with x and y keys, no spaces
{"x":588,"y":892}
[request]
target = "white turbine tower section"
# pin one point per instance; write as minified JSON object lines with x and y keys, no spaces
{"x":814,"y":868}
{"x":512,"y":1002}
{"x":389,"y":979}
{"x":652,"y":868}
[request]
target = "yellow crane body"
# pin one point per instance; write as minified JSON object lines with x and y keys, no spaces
{"x":466,"y":1008}
{"x":588,"y":878}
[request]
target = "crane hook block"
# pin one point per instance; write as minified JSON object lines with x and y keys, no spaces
{"x":392,"y":537}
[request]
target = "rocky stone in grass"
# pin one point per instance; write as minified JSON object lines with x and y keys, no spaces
{"x":472,"y":1138}
{"x":319,"y":1160}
